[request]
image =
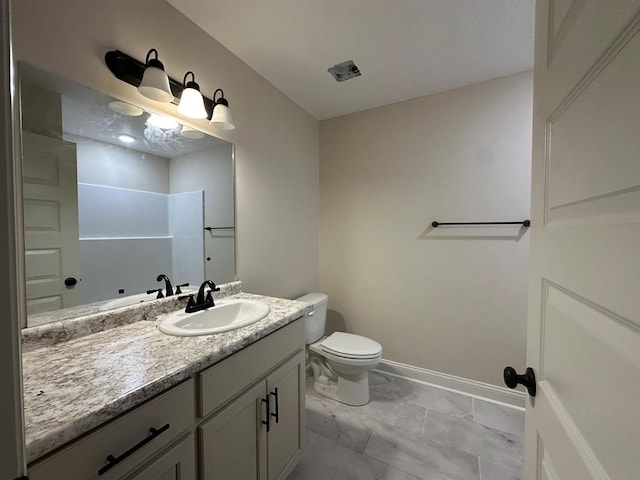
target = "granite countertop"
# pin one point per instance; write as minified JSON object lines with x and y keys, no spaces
{"x":73,"y":386}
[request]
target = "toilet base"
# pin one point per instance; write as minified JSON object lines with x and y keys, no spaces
{"x":354,"y":391}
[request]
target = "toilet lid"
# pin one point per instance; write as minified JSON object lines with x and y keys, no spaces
{"x":350,"y":345}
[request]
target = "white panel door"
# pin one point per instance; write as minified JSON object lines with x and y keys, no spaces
{"x":50,"y":192}
{"x":584,"y":309}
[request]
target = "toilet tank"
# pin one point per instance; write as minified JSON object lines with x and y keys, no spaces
{"x":315,"y":320}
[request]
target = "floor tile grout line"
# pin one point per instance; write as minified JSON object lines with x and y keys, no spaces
{"x":361,"y":448}
{"x":424,"y":421}
{"x":394,"y":467}
{"x":473,"y":409}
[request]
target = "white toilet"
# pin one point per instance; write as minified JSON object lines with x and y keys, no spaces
{"x":340,"y":362}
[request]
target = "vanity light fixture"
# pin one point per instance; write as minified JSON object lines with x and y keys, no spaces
{"x":155,"y":82}
{"x":191,"y":104}
{"x":133,"y":72}
{"x":221,"y":116}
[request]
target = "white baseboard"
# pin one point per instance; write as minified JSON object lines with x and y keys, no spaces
{"x":462,"y":385}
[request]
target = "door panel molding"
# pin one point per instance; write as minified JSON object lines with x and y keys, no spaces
{"x":550,"y":411}
{"x":579,"y":338}
{"x":561,"y":20}
{"x":612,"y":203}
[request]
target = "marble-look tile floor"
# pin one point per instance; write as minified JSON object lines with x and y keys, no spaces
{"x":410,"y":431}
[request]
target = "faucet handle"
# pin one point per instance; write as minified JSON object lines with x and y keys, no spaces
{"x":191,"y":305}
{"x":209,"y":299}
{"x":159,"y":290}
{"x":178,"y":290}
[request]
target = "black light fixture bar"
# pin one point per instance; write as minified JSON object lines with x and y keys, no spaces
{"x":524,"y":223}
{"x":130,"y":70}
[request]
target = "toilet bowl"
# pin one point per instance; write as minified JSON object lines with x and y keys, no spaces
{"x":340,"y":362}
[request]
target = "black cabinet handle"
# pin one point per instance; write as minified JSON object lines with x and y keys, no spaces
{"x":512,"y":379}
{"x":113,"y":461}
{"x":277,"y":415}
{"x":70,"y":282}
{"x":267,"y":409}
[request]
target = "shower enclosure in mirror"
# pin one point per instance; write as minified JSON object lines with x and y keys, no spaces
{"x":114,"y":196}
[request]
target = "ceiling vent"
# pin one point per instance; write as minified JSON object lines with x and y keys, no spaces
{"x":344,"y":71}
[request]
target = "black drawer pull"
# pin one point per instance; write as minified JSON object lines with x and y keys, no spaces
{"x":113,"y":461}
{"x":277,"y":415}
{"x":267,"y":408}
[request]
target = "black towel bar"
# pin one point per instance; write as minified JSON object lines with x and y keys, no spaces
{"x":436,"y":224}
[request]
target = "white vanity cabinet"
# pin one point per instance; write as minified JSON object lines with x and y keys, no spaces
{"x":259,"y":435}
{"x":212,"y":426}
{"x":177,"y":463}
{"x":253,"y":406}
{"x":115,"y":449}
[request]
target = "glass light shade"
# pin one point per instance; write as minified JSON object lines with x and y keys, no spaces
{"x":221,"y":117}
{"x":155,"y":85}
{"x":191,"y":104}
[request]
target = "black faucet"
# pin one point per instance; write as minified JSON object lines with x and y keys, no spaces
{"x":201,"y":302}
{"x":167,"y":284}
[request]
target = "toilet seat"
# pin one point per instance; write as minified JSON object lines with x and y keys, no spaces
{"x":362,"y":351}
{"x":348,"y":345}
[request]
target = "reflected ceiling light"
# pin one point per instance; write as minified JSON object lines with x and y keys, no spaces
{"x":191,"y":133}
{"x":125,"y":108}
{"x":191,"y":103}
{"x":221,"y":116}
{"x":155,"y":82}
{"x":124,"y":138}
{"x":164,"y":123}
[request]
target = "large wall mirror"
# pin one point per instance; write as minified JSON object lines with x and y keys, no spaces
{"x":115,"y":196}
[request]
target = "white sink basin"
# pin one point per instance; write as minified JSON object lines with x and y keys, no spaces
{"x":226,"y":315}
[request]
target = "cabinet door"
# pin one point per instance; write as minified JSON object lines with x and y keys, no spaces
{"x":286,"y":436}
{"x":177,"y":463}
{"x":233,"y":443}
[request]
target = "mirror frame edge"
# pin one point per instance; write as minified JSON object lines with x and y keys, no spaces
{"x":13,"y":441}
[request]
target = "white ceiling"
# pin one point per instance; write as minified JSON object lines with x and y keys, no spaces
{"x":404,"y":48}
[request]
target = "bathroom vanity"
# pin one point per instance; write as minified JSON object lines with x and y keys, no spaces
{"x":134,"y":403}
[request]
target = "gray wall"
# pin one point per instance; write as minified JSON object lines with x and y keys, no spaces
{"x":276,"y":141}
{"x":453,"y":301}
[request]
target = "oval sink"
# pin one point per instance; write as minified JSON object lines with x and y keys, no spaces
{"x":226,"y":315}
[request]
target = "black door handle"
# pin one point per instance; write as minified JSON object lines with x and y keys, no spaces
{"x":267,"y":409}
{"x":70,"y":281}
{"x":277,"y":414}
{"x":512,"y":379}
